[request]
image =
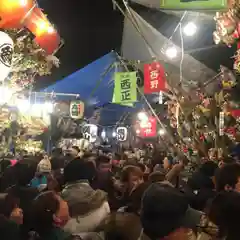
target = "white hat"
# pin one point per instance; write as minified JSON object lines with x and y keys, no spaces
{"x":44,"y":166}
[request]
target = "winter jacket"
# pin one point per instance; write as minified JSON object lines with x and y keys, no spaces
{"x":88,"y":207}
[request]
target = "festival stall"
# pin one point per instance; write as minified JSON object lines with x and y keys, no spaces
{"x":28,"y":43}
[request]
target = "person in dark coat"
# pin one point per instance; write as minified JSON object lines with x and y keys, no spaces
{"x":200,"y":187}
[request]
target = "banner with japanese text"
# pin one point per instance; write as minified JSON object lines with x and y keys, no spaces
{"x":147,"y":129}
{"x":123,"y":104}
{"x":154,"y":78}
{"x":193,"y":4}
{"x":125,"y":88}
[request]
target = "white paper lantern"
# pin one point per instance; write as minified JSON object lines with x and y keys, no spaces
{"x":6,"y":53}
{"x":90,"y":132}
{"x":121,"y":134}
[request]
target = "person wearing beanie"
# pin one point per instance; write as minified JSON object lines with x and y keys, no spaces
{"x":43,"y":170}
{"x":87,"y":207}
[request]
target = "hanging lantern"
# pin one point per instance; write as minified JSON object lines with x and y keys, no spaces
{"x":12,"y":12}
{"x":45,"y":34}
{"x":76,"y":109}
{"x":121,"y":134}
{"x":90,"y":132}
{"x":147,"y":129}
{"x":6,"y":52}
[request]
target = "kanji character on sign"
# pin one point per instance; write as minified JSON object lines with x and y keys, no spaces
{"x":6,"y":53}
{"x":126,"y":95}
{"x":121,"y":135}
{"x":148,"y":131}
{"x":154,"y":84}
{"x":125,"y":83}
{"x":154,"y":74}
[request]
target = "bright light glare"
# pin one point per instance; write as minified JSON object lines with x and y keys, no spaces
{"x":48,"y":106}
{"x":161,"y":132}
{"x":50,"y":29}
{"x":190,"y":29}
{"x":103,"y":134}
{"x":171,"y":52}
{"x":43,"y":26}
{"x":137,"y":131}
{"x":114,"y":134}
{"x":6,"y":94}
{"x":142,"y":116}
{"x":37,"y":110}
{"x":23,"y":105}
{"x":23,"y":3}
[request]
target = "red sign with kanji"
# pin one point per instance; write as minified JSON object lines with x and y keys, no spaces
{"x":147,"y":129}
{"x":154,"y":78}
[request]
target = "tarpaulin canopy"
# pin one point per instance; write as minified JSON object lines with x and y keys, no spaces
{"x":134,"y":47}
{"x":94,"y":84}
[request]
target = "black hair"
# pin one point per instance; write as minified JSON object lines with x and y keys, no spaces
{"x":42,"y":210}
{"x":227,"y":175}
{"x":224,"y":211}
{"x":78,"y":169}
{"x":208,"y":168}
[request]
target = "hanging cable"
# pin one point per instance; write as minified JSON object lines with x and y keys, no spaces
{"x":182,"y":53}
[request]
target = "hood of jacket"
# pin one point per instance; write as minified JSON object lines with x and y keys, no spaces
{"x":82,"y":198}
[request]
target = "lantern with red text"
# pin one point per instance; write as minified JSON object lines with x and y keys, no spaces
{"x":147,"y":129}
{"x":12,"y":12}
{"x":45,"y":35}
{"x":154,"y":78}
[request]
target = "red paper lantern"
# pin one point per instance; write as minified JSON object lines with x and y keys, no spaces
{"x":12,"y":12}
{"x":45,"y":34}
{"x":147,"y":129}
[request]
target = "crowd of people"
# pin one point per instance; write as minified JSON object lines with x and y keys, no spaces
{"x":105,"y":196}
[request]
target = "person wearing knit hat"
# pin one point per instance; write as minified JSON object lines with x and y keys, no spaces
{"x":43,"y":169}
{"x":44,"y":166}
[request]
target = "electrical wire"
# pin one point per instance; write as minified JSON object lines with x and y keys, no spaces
{"x":182,"y":53}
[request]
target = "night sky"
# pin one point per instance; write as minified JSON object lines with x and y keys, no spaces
{"x":90,"y":30}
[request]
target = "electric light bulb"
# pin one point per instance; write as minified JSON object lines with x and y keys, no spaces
{"x":190,"y":29}
{"x":142,"y":116}
{"x":171,"y":52}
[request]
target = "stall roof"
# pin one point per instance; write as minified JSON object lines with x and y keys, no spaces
{"x":134,"y":47}
{"x":94,"y":84}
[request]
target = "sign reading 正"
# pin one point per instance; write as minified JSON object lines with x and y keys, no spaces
{"x":125,"y":89}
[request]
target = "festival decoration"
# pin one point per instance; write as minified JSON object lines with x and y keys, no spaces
{"x":6,"y":54}
{"x":125,"y":88}
{"x":193,"y":5}
{"x":221,"y":123}
{"x":147,"y":129}
{"x":121,"y":134}
{"x":13,"y":12}
{"x":154,"y":78}
{"x":228,"y":30}
{"x":45,"y":34}
{"x":90,"y":132}
{"x":76,"y":109}
{"x":28,"y":61}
